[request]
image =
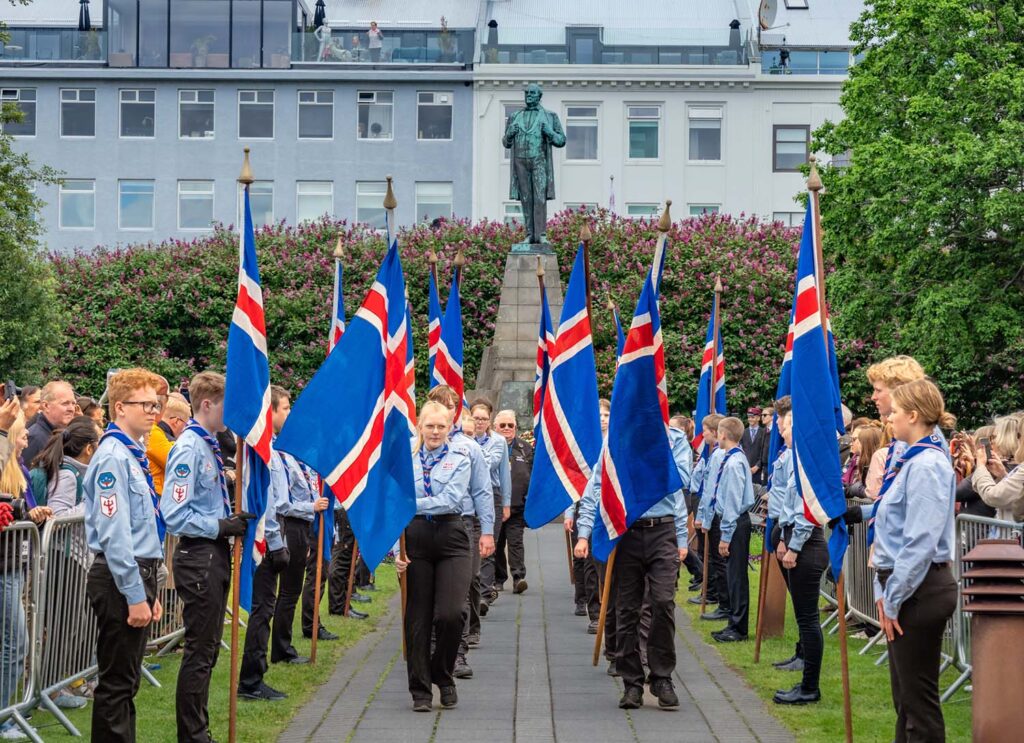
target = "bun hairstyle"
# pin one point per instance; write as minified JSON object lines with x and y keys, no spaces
{"x":80,"y":433}
{"x":923,"y":396}
{"x":430,"y":407}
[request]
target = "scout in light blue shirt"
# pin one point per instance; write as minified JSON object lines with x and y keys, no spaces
{"x":704,"y":511}
{"x":450,"y":477}
{"x":277,"y":495}
{"x":300,"y":493}
{"x":899,"y":448}
{"x":780,"y":482}
{"x":914,"y":526}
{"x":495,"y":450}
{"x":194,"y":498}
{"x":120,"y":521}
{"x":734,"y":495}
{"x":478,"y":499}
{"x":792,"y":511}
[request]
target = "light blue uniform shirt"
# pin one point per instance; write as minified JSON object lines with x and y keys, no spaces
{"x":710,"y":472}
{"x":277,"y":494}
{"x":192,"y":502}
{"x":899,"y":449}
{"x":792,"y":513}
{"x":589,"y":502}
{"x":780,"y":482}
{"x":495,"y":450}
{"x":120,"y":521}
{"x":735,"y":493}
{"x":479,"y":498}
{"x":301,"y":497}
{"x":914,"y":526}
{"x":450,"y":479}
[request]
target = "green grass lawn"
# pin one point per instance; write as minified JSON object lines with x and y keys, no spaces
{"x":256,"y":720}
{"x":873,"y":715}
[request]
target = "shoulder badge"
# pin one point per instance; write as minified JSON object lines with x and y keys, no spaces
{"x":182,"y":470}
{"x":108,"y":505}
{"x":106,"y":480}
{"x":180,"y":492}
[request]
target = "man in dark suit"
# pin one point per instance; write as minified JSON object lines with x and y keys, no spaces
{"x":755,"y":445}
{"x":520,"y":455}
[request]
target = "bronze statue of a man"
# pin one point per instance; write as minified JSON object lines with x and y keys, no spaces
{"x":531,"y":133}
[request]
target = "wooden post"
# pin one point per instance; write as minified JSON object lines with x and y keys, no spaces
{"x":762,"y":589}
{"x":585,"y":238}
{"x":568,"y":554}
{"x":605,"y":595}
{"x":319,"y":573}
{"x":351,"y":576}
{"x":715,"y":336}
{"x":405,"y":595}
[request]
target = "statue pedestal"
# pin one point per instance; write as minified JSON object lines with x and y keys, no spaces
{"x":508,"y":366}
{"x":541,"y":248}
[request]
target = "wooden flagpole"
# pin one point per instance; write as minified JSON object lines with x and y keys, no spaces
{"x":405,"y":594}
{"x":715,"y":335}
{"x":351,"y":576}
{"x":605,"y":595}
{"x":814,"y":187}
{"x":762,"y":593}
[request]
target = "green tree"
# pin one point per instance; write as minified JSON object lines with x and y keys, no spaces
{"x":30,"y":315}
{"x":926,"y":222}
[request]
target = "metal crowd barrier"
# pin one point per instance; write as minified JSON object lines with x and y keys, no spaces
{"x":19,"y":623}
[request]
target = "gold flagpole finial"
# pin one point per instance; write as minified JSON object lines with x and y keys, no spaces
{"x":665,"y":223}
{"x":432,"y":257}
{"x":585,"y":235}
{"x":245,"y":177}
{"x":611,"y":304}
{"x":390,"y":202}
{"x":339,"y":251}
{"x":718,"y":285}
{"x":460,"y":259}
{"x":813,"y":178}
{"x":540,"y":268}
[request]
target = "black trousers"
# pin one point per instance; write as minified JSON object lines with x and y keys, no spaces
{"x":257,"y":631}
{"x":436,"y":585}
{"x":341,"y":564}
{"x":296,"y":535}
{"x":471,"y":606}
{"x":487,"y":569}
{"x":363,"y":575}
{"x":773,"y":542}
{"x":737,"y":576}
{"x":718,"y":583}
{"x":611,"y":639}
{"x":804,"y":588}
{"x":646,"y":558}
{"x":202,"y":574}
{"x":586,"y":580}
{"x":694,"y":561}
{"x":119,"y":651}
{"x":510,"y":537}
{"x":914,"y":657}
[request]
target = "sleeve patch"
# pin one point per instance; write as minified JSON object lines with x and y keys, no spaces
{"x":182,"y":470}
{"x":108,"y":505}
{"x":180,"y":492}
{"x":106,"y":480}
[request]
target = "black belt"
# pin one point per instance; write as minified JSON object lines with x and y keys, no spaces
{"x":439,"y":517}
{"x":299,"y":519}
{"x":201,"y":541}
{"x":145,"y":562}
{"x":648,"y":523}
{"x":885,"y":573}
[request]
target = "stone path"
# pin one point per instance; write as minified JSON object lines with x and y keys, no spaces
{"x":533,"y":682}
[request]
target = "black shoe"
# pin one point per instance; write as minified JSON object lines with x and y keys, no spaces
{"x":422,"y":705}
{"x":695,"y":600}
{"x":473,"y":640}
{"x":323,"y":634}
{"x":797,"y":695}
{"x":581,"y":610}
{"x":797,"y":664}
{"x":484,"y":608}
{"x":632,"y":699}
{"x":786,"y":662}
{"x":666,"y":694}
{"x":354,"y":613}
{"x":449,"y":697}
{"x":262,"y":693}
{"x":462,"y":669}
{"x":612,"y":670}
{"x":295,"y":660}
{"x":729,"y":635}
{"x":592,"y":627}
{"x":367,"y":587}
{"x":499,"y":586}
{"x":715,"y":616}
{"x":359,"y":598}
{"x":520,"y":586}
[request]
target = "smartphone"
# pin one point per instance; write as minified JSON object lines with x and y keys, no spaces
{"x":11,"y":390}
{"x":988,"y":447}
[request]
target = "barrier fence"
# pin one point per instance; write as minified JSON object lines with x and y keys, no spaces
{"x":19,"y":622}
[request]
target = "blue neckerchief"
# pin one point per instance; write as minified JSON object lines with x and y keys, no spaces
{"x":30,"y":497}
{"x":721,"y":471}
{"x":427,"y":462}
{"x":483,"y":441}
{"x":211,"y":441}
{"x":114,"y":432}
{"x":928,"y":442}
{"x":705,"y":456}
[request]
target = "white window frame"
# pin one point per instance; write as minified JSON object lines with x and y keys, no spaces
{"x":77,"y":99}
{"x":588,"y":207}
{"x":60,"y":205}
{"x":213,"y":203}
{"x":698,"y":210}
{"x":653,"y":207}
{"x":257,"y":102}
{"x":212,"y":103}
{"x":330,"y":193}
{"x":120,"y":110}
{"x":660,"y":118}
{"x":315,"y":102}
{"x":706,"y":113}
{"x":790,"y":219}
{"x":6,"y":97}
{"x":512,"y":210}
{"x":775,"y":144}
{"x":382,"y":186}
{"x":519,"y":106}
{"x":239,"y":202}
{"x":152,"y":206}
{"x":416,"y":197}
{"x":596,"y":118}
{"x":419,"y":105}
{"x":360,"y":101}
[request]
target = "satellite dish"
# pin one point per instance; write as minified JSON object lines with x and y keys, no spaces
{"x":766,"y":13}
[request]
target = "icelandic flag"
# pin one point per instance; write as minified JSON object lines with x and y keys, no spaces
{"x":637,"y":467}
{"x":407,"y":398}
{"x":815,"y":445}
{"x":545,"y":344}
{"x":359,"y":441}
{"x":247,"y":400}
{"x":569,"y":438}
{"x":434,"y":326}
{"x":712,"y":377}
{"x":782,"y":389}
{"x":448,"y":361}
{"x":337,"y":307}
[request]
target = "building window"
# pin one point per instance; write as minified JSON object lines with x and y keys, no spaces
{"x":195,"y":114}
{"x":370,"y":203}
{"x":513,"y":213}
{"x":581,"y":133}
{"x":796,"y":4}
{"x":195,"y":205}
{"x":433,"y":200}
{"x":200,"y":33}
{"x":375,"y":114}
{"x":644,"y":126}
{"x":255,"y":114}
{"x":316,"y":114}
{"x":77,"y":112}
{"x":697,"y":210}
{"x":576,"y":206}
{"x":24,"y":99}
{"x":77,"y":205}
{"x":510,"y":110}
{"x":790,"y":148}
{"x":313,"y":200}
{"x":705,"y":134}
{"x":135,"y":205}
{"x":433,"y":116}
{"x":790,"y":219}
{"x":138,"y":112}
{"x":261,"y":203}
{"x":636,"y":211}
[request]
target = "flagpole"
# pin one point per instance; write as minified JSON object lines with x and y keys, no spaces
{"x":605,"y":596}
{"x":246,"y":179}
{"x":715,"y":336}
{"x":814,"y":187}
{"x":402,"y":585}
{"x":585,"y":238}
{"x":432,"y":260}
{"x":351,"y":576}
{"x":762,"y":593}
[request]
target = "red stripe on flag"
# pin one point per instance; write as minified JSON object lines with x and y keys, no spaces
{"x":570,"y":337}
{"x":559,"y":441}
{"x":351,"y":477}
{"x":611,"y":500}
{"x":806,"y":304}
{"x":251,"y":309}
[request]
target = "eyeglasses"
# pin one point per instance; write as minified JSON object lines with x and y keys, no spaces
{"x":484,"y":420}
{"x":147,"y":407}
{"x":504,"y":425}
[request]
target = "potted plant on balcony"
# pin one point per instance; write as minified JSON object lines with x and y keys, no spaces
{"x":201,"y":49}
{"x":446,"y":40}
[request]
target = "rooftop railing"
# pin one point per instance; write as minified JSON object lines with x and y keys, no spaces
{"x":34,"y":45}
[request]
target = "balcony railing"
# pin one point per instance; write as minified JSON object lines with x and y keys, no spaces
{"x":33,"y":45}
{"x":806,"y":62}
{"x":404,"y":47}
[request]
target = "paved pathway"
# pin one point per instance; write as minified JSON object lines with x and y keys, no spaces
{"x":533,"y":682}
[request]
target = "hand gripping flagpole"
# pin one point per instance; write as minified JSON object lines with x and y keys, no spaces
{"x":814,"y":186}
{"x":246,"y":179}
{"x":716,"y":335}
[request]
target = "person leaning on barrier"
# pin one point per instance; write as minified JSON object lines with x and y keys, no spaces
{"x":121,"y":528}
{"x":59,"y":471}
